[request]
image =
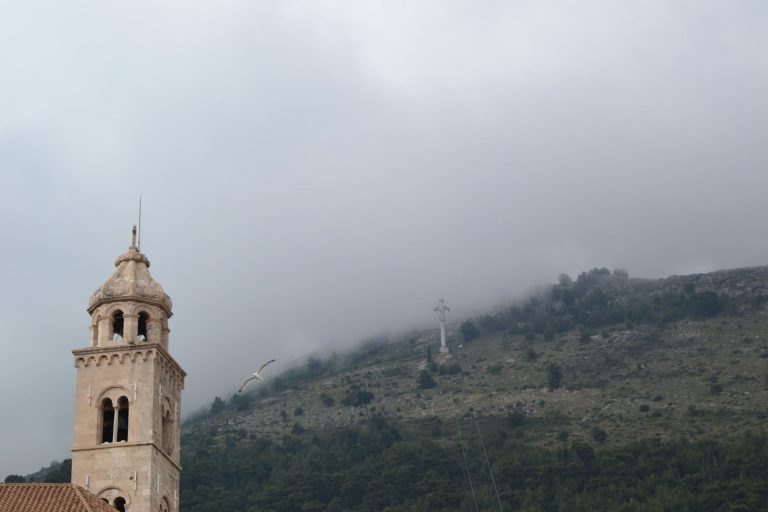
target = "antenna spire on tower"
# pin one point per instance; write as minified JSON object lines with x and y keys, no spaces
{"x":133,"y":237}
{"x":139,"y":222}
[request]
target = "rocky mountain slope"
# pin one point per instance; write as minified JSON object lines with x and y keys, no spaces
{"x":682,"y":356}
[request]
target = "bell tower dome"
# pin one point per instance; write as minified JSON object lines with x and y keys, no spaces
{"x":128,"y":394}
{"x":131,"y":306}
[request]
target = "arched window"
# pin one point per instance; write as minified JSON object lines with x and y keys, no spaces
{"x":122,"y":419}
{"x":117,"y":325}
{"x":119,"y":504}
{"x":167,"y":432}
{"x":107,"y":420}
{"x":143,"y":320}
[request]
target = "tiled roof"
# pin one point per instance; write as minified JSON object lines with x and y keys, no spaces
{"x":49,"y":498}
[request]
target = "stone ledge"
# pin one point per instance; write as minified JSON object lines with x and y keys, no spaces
{"x":127,"y":347}
{"x":107,"y":446}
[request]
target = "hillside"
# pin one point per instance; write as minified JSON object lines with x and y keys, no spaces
{"x":603,"y":392}
{"x":603,"y":362}
{"x":711,"y":366}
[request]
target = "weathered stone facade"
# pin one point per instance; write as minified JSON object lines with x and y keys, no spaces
{"x":128,"y":399}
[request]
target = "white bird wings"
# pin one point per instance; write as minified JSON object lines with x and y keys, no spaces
{"x":248,"y":380}
{"x":264,"y":366}
{"x":255,"y":376}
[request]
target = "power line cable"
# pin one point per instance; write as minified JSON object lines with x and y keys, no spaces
{"x":464,"y":455}
{"x":482,"y":445}
{"x":487,"y":462}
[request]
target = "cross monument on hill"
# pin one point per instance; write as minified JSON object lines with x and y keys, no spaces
{"x":441,"y":309}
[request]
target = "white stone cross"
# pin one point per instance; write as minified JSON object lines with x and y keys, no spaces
{"x":441,"y":309}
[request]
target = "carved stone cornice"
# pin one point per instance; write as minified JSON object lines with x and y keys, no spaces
{"x":140,"y":351}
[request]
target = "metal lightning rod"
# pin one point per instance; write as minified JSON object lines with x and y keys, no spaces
{"x":139,"y":222}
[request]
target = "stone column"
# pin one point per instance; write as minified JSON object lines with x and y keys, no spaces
{"x":164,"y":337}
{"x":105,"y":331}
{"x":115,"y":420}
{"x":130,"y":327}
{"x":154,"y":330}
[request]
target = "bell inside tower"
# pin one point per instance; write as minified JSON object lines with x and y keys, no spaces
{"x":143,"y":319}
{"x":117,"y":325}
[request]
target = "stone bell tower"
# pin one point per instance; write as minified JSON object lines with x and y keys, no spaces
{"x":127,"y":405}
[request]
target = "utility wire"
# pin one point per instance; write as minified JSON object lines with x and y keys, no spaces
{"x":487,"y":462}
{"x":464,"y":454}
{"x":482,"y":445}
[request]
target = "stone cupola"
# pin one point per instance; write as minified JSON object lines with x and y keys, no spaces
{"x":130,"y":307}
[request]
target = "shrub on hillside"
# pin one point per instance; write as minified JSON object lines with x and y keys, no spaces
{"x":554,"y":376}
{"x":599,"y":434}
{"x":357,"y":397}
{"x":449,"y":369}
{"x":705,"y":304}
{"x":217,"y":406}
{"x":425,"y":380}
{"x":469,"y":330}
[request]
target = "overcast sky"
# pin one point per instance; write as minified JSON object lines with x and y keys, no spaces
{"x":315,"y":172}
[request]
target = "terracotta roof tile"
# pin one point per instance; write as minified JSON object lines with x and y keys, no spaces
{"x":49,"y":498}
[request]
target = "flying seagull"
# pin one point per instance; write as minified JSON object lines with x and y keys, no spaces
{"x":256,"y":376}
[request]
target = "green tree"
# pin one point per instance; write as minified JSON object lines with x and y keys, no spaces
{"x":61,"y":473}
{"x":314,"y":365}
{"x":554,"y":376}
{"x":425,"y":380}
{"x":15,"y":479}
{"x":357,"y":397}
{"x":705,"y":304}
{"x":469,"y":330}
{"x":621,"y":273}
{"x":599,"y":434}
{"x":449,"y":369}
{"x":217,"y":406}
